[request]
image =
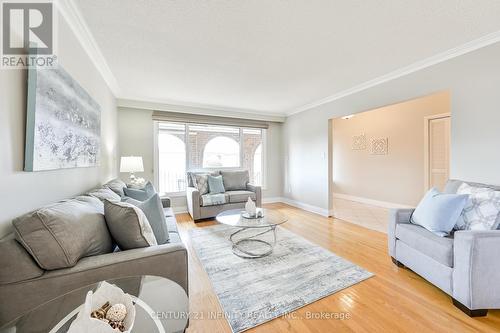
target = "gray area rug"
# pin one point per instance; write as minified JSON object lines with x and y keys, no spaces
{"x":254,"y":291}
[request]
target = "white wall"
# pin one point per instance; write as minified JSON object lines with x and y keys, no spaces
{"x":25,"y":191}
{"x":474,"y":83}
{"x":136,"y":137}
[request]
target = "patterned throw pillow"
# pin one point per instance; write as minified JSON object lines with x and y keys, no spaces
{"x":481,"y":211}
{"x":201,"y":183}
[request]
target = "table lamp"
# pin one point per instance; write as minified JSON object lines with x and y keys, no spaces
{"x":131,"y":164}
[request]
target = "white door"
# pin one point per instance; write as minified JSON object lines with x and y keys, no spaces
{"x":438,"y":151}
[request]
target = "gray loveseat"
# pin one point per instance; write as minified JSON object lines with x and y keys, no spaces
{"x":24,"y":284}
{"x":465,"y":265}
{"x":238,"y":190}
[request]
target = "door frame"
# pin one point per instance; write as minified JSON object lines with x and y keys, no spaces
{"x":427,"y":120}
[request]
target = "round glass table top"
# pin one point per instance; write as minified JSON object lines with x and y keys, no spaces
{"x":234,"y":218}
{"x":161,"y":305}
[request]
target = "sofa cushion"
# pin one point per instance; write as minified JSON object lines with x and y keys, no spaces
{"x":16,"y":263}
{"x":153,"y":210}
{"x":215,"y":184}
{"x":482,"y":209}
{"x":240,"y":196}
{"x":191,"y":179}
{"x":438,"y":248}
{"x":58,"y":235}
{"x":235,"y":180}
{"x":128,"y":225}
{"x":116,"y":185}
{"x":104,"y":193}
{"x":213,"y":199}
{"x":453,"y":184}
{"x":140,"y":194}
{"x":439,"y":212}
{"x":200,"y":181}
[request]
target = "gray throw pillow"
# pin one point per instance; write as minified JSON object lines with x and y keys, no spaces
{"x":201,"y":183}
{"x":140,"y":194}
{"x":153,"y":210}
{"x":215,"y":185}
{"x":128,"y":225}
{"x":104,"y":193}
{"x":58,"y":235}
{"x":235,"y":180}
{"x":116,"y":185}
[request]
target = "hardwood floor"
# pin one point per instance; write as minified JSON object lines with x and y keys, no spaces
{"x":395,"y":300}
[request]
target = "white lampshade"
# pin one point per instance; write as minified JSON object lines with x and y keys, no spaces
{"x":131,"y":164}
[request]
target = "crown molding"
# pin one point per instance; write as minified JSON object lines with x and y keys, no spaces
{"x":75,"y":20}
{"x":416,"y":66}
{"x":194,"y":108}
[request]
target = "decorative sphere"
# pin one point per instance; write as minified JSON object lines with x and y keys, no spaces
{"x":117,"y":312}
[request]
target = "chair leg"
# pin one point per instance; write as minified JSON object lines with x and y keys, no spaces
{"x":397,"y":263}
{"x":469,"y":312}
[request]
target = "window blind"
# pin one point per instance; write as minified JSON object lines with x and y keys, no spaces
{"x":204,"y":119}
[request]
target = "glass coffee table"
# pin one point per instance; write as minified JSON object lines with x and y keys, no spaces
{"x":161,"y":306}
{"x":248,"y":241}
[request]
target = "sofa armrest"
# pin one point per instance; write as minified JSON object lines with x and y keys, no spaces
{"x":476,"y":270}
{"x":258,"y":193}
{"x":167,"y":260}
{"x":193,"y":202}
{"x":166,"y":202}
{"x":396,"y":216}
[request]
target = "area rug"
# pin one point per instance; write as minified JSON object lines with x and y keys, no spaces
{"x":254,"y":291}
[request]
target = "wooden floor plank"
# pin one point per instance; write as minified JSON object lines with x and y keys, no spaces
{"x":395,"y":300}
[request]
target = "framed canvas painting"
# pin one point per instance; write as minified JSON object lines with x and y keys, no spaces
{"x":63,"y":123}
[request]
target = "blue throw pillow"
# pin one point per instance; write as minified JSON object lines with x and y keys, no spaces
{"x":215,"y":184}
{"x":140,"y":194}
{"x":153,"y":210}
{"x":438,"y":212}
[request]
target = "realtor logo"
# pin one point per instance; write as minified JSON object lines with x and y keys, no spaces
{"x":27,"y":34}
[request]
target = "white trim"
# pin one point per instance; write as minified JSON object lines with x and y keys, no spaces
{"x":271,"y":200}
{"x":426,"y":146}
{"x":156,"y":175}
{"x":75,"y":20}
{"x":195,"y":108}
{"x":298,"y":204}
{"x":305,"y":206}
{"x":383,"y":204}
{"x":468,"y":47}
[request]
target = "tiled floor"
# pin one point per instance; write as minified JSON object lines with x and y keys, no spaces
{"x":368,"y":216}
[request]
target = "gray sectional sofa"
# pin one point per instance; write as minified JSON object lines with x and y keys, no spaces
{"x":25,"y":284}
{"x":465,"y":264}
{"x":238,"y":190}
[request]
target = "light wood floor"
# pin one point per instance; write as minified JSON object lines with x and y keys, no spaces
{"x":395,"y":300}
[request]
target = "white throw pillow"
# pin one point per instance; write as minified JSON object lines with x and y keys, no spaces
{"x":482,"y":209}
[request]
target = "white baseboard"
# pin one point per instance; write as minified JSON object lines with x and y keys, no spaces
{"x":272,"y":200}
{"x":180,"y":210}
{"x":294,"y":203}
{"x":298,"y":204}
{"x":383,"y":204}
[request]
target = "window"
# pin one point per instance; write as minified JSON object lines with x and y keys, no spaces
{"x":171,"y":158}
{"x":257,"y":165}
{"x":182,"y":147}
{"x":221,"y":152}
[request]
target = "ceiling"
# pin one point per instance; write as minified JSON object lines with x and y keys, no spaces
{"x":272,"y":56}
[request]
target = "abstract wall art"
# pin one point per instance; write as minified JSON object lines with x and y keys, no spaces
{"x":359,"y":142}
{"x":379,"y":146}
{"x":63,"y":123}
